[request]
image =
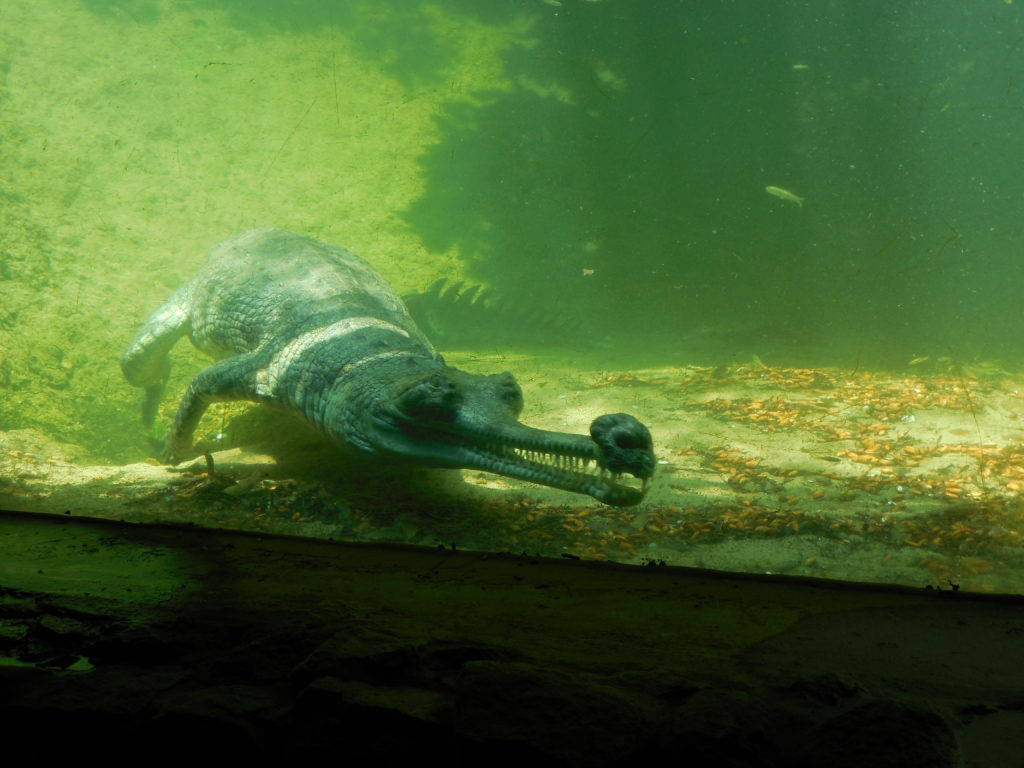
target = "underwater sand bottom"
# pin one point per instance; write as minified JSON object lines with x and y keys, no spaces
{"x":910,"y":479}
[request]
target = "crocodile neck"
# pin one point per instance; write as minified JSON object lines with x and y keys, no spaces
{"x":356,"y":408}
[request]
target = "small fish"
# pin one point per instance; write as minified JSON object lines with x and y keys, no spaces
{"x":801,"y":66}
{"x":919,"y":360}
{"x":785,"y":194}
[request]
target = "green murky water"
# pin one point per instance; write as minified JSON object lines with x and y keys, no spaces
{"x":605,"y":167}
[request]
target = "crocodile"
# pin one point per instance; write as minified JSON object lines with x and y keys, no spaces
{"x":309,"y":327}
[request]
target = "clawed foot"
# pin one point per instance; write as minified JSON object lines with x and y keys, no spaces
{"x":173,"y":454}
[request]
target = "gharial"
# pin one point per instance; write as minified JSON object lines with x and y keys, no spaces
{"x":312,"y":328}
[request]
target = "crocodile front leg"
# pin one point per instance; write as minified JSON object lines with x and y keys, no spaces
{"x":146,"y":363}
{"x":231,"y":379}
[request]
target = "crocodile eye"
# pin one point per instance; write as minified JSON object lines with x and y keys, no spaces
{"x":435,"y":397}
{"x":512,"y":395}
{"x":510,"y":392}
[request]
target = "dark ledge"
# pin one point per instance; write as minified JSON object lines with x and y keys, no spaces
{"x":169,"y":643}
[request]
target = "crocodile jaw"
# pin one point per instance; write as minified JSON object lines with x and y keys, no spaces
{"x":567,"y":461}
{"x":440,"y":416}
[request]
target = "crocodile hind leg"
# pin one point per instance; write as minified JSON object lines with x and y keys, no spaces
{"x":230,"y":379}
{"x":146,"y":363}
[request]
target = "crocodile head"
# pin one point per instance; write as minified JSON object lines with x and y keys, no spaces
{"x":449,"y":418}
